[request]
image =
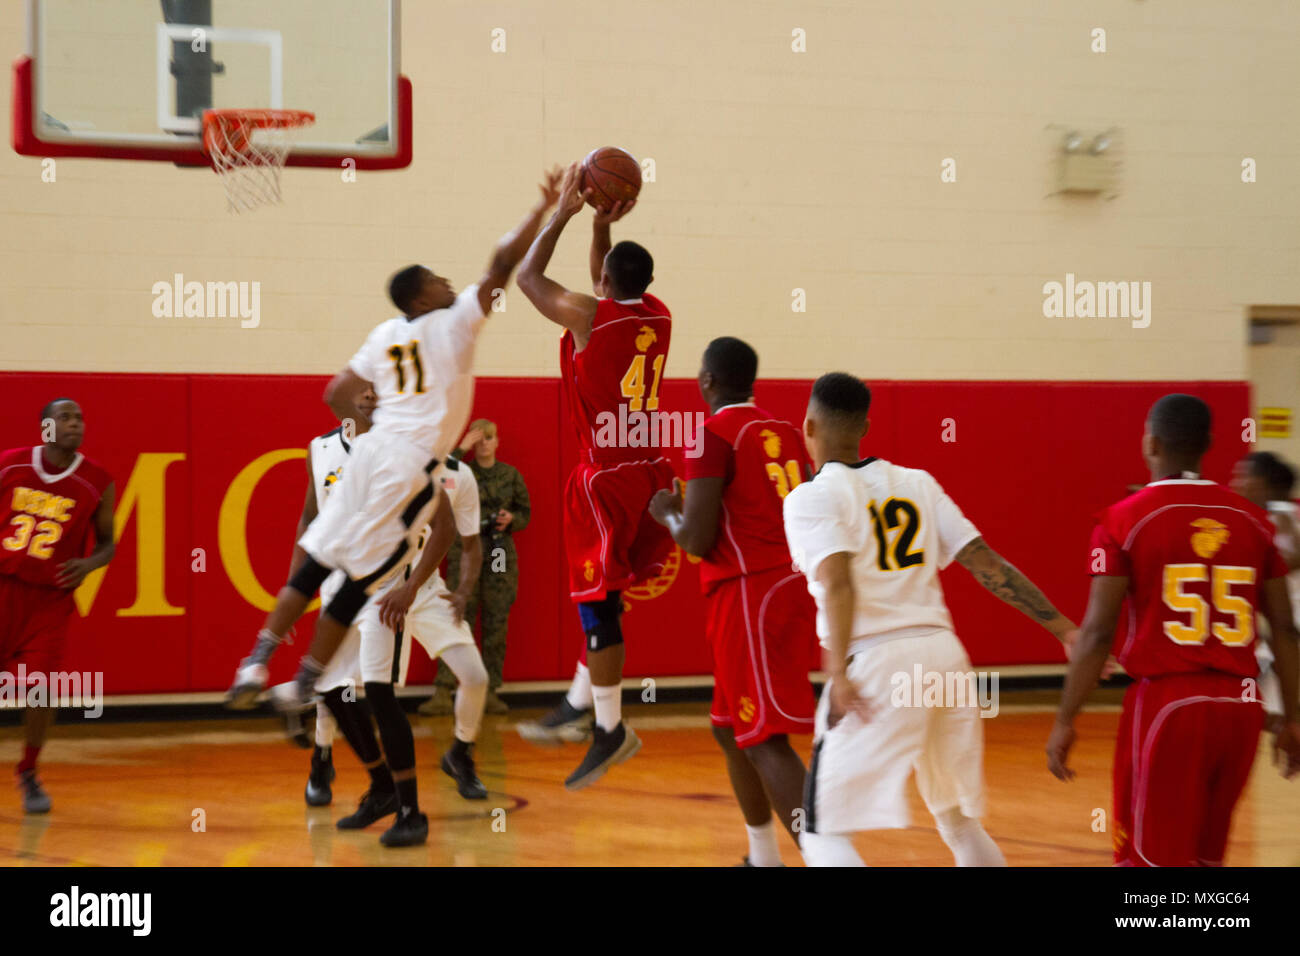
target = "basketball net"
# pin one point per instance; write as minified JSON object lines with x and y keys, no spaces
{"x":248,"y":149}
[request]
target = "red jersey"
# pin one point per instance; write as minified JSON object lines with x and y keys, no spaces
{"x":48,"y":517}
{"x":1195,"y":555}
{"x":612,"y":385}
{"x":760,"y":458}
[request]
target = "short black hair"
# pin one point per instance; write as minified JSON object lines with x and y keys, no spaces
{"x":844,"y":397}
{"x":1278,"y":476}
{"x":733,"y":364}
{"x":1182,"y":423}
{"x":630,"y":267}
{"x":48,"y":410}
{"x":405,"y":286}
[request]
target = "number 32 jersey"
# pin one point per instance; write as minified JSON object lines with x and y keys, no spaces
{"x":611,"y":387}
{"x":1195,"y":555}
{"x":901,"y":529}
{"x":48,"y":516}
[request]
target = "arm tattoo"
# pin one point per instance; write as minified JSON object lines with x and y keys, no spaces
{"x":1000,"y":577}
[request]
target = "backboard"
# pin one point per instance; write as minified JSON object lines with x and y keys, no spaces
{"x":130,"y":79}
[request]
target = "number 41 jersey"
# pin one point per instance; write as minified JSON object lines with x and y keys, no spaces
{"x":1195,"y":555}
{"x":615,"y":379}
{"x":901,"y":529}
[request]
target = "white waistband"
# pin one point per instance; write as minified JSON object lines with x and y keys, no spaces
{"x":860,"y":644}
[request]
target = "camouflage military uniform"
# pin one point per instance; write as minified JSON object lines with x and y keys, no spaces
{"x":500,"y":486}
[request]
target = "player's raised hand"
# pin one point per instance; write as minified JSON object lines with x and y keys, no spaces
{"x":572,"y":197}
{"x":1286,"y":750}
{"x":1058,"y":750}
{"x":550,"y":186}
{"x":614,"y":213}
{"x":472,"y":438}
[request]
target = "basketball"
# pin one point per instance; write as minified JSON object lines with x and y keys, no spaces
{"x":612,"y":174}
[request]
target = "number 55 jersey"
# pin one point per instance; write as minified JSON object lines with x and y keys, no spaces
{"x":1195,"y":555}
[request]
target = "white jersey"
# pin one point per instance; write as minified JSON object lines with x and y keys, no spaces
{"x":901,"y":529}
{"x":462,"y":491}
{"x":1288,"y":543}
{"x":329,"y":453}
{"x":420,"y":370}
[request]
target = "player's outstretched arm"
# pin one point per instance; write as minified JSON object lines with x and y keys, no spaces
{"x":601,"y":242}
{"x":572,"y":310}
{"x":513,"y":245}
{"x":1003,"y":579}
{"x":1087,"y":661}
{"x":692,"y":519}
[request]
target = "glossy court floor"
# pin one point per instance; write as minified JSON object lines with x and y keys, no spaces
{"x":134,"y":794}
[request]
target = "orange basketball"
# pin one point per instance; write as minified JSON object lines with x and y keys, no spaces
{"x":612,"y":174}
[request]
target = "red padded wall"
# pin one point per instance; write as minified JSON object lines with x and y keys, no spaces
{"x":1030,"y":464}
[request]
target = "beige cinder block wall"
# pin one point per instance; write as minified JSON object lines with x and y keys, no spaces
{"x":775,"y":170}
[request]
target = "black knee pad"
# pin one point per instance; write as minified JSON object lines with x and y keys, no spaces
{"x":600,"y":621}
{"x":309,"y":577}
{"x":347,"y":604}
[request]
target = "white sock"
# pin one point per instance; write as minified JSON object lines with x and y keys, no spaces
{"x":829,"y":849}
{"x":579,"y":695}
{"x":609,"y":705}
{"x":325,"y":726}
{"x":763,"y":850}
{"x":467,"y":665}
{"x":970,"y":845}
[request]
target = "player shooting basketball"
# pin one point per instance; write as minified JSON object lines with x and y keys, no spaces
{"x":612,"y":354}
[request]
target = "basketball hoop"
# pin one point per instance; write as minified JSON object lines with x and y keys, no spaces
{"x":248,"y":148}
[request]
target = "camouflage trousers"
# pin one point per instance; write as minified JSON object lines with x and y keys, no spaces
{"x":490,"y":602}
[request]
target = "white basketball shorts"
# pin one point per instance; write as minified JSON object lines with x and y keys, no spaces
{"x":371,"y":521}
{"x":858,"y":776}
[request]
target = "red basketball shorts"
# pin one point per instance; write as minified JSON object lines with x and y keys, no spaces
{"x":610,"y":540}
{"x":1182,"y":758}
{"x":762,"y":630}
{"x":33,"y":625}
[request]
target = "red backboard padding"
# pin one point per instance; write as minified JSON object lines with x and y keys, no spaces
{"x":1030,"y":463}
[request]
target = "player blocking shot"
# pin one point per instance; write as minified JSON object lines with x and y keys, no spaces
{"x":57,"y":511}
{"x":1196,"y":563}
{"x":419,"y":365}
{"x":612,"y":356}
{"x":871,"y":537}
{"x":760,"y":624}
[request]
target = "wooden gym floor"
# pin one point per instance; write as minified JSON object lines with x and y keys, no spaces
{"x":129,"y":795}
